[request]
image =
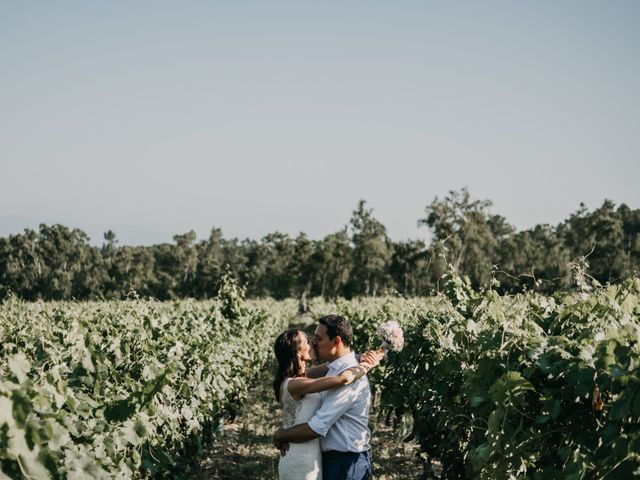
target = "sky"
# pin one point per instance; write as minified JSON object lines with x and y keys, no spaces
{"x":154,"y":118}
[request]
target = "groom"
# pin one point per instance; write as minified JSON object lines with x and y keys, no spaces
{"x":342,"y":420}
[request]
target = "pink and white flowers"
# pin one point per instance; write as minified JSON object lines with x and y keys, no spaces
{"x":391,"y":335}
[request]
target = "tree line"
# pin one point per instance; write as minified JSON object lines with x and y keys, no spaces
{"x":57,"y":262}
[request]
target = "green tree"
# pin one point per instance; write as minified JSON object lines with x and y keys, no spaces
{"x":534,"y":259}
{"x":109,"y":252}
{"x":210,"y":265}
{"x":409,"y":267}
{"x":305,"y":270}
{"x":135,"y":269}
{"x":371,"y":252}
{"x":600,"y":236}
{"x":279,"y":257}
{"x":467,"y":232}
{"x":236,"y":256}
{"x":335,"y":260}
{"x":22,"y":268}
{"x":186,"y":256}
{"x":74,"y":268}
{"x":631,"y":242}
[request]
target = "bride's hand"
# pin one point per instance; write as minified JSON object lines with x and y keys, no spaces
{"x":368,"y":360}
{"x":372,"y":357}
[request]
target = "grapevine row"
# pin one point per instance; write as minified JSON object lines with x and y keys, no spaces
{"x":522,"y":386}
{"x":123,"y":389}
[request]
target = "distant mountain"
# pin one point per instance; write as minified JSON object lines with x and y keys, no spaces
{"x":125,"y":234}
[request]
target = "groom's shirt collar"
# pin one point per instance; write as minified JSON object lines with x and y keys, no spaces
{"x":344,"y":362}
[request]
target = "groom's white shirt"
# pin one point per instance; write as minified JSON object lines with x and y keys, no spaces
{"x":343,"y":419}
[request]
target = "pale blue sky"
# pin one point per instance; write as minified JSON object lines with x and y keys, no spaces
{"x":264,"y":116}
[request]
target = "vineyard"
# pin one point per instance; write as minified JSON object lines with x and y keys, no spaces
{"x":516,"y":387}
{"x":488,"y":386}
{"x":124,"y":389}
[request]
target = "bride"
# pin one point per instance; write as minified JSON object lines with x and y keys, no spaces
{"x":298,"y":394}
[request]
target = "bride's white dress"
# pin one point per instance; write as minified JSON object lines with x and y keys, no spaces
{"x":303,"y":461}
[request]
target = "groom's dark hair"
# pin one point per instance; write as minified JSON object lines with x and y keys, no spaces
{"x":338,"y":326}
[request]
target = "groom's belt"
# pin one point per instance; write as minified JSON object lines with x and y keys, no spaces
{"x":336,"y":453}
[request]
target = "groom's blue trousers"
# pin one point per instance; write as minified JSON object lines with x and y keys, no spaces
{"x":346,"y":466}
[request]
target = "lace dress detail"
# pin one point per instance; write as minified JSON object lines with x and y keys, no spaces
{"x":290,"y":406}
{"x":303,"y":461}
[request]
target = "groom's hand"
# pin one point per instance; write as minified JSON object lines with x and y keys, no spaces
{"x":284,"y":448}
{"x":279,"y":444}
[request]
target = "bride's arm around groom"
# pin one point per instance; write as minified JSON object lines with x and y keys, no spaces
{"x":317,"y":380}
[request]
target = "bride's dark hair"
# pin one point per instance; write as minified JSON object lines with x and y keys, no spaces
{"x":289,"y":365}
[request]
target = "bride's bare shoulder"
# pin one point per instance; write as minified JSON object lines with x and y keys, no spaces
{"x":292,"y":387}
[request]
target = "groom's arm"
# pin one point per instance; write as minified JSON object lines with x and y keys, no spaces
{"x":296,"y":434}
{"x":335,"y":404}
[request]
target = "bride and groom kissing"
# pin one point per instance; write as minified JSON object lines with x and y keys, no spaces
{"x":326,"y":408}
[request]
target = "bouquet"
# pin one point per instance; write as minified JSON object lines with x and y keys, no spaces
{"x":391,"y":335}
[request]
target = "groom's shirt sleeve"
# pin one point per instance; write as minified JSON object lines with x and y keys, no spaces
{"x":336,"y":402}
